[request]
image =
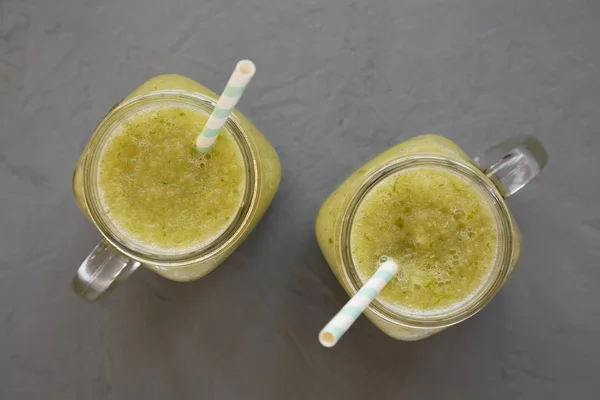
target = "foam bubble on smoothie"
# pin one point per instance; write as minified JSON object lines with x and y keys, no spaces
{"x":439,"y":229}
{"x":162,"y":193}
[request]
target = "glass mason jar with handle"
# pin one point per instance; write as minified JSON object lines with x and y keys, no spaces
{"x":117,"y":255}
{"x":495,"y":176}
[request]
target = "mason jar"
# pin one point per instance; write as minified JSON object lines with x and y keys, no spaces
{"x":117,"y":256}
{"x":502,"y":170}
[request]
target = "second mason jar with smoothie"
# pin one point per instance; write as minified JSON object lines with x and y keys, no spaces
{"x":425,"y":205}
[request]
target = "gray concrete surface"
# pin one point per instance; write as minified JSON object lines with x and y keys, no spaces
{"x":338,"y":81}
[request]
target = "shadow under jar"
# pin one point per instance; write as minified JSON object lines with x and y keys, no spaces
{"x":442,"y":218}
{"x":121,"y":252}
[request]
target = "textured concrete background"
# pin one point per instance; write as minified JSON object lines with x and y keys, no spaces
{"x":338,"y":82}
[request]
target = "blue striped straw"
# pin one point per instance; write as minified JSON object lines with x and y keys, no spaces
{"x":344,"y":319}
{"x":242,"y":74}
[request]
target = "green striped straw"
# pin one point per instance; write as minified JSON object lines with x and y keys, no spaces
{"x":242,"y":74}
{"x":344,"y":319}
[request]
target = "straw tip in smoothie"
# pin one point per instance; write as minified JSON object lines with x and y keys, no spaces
{"x":327,"y":339}
{"x":246,"y":67}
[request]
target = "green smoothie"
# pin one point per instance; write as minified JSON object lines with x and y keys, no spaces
{"x":438,"y":228}
{"x":162,"y":193}
{"x":426,"y":205}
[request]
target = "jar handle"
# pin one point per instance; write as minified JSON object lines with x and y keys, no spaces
{"x":511,"y":164}
{"x":102,"y":270}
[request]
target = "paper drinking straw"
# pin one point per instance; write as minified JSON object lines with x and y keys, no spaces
{"x":344,"y":319}
{"x":242,"y":74}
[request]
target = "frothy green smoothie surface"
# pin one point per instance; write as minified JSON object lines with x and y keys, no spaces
{"x":159,"y":191}
{"x":438,"y":228}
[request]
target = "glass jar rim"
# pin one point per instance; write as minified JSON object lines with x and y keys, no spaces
{"x":485,"y":293}
{"x":102,"y":133}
